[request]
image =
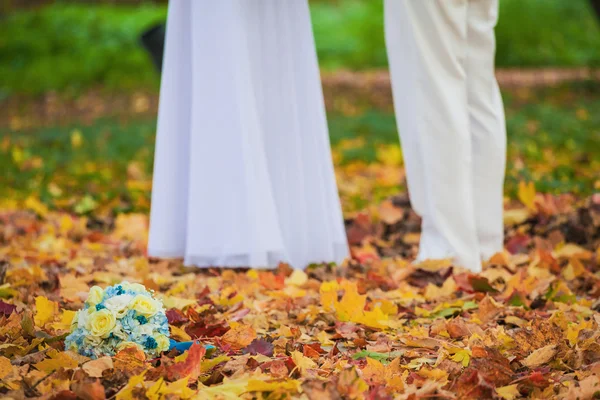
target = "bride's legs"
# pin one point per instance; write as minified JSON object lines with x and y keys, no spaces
{"x":294,"y":127}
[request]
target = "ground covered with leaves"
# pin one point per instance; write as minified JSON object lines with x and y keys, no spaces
{"x":377,"y":327}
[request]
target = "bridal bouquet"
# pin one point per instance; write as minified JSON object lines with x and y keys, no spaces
{"x":118,"y":317}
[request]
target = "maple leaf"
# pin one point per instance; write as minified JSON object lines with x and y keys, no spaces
{"x":302,"y":363}
{"x":190,"y":367}
{"x":481,"y":284}
{"x":56,"y":361}
{"x":179,"y":389}
{"x":210,"y":363}
{"x":45,"y":311}
{"x":6,"y":308}
{"x":540,"y":356}
{"x":389,"y":213}
{"x":350,"y":384}
{"x":297,"y":278}
{"x":230,"y":389}
{"x":95,"y":368}
{"x":239,"y":336}
{"x":179,"y":334}
{"x":462,"y":356}
{"x":66,"y":318}
{"x":131,"y":361}
{"x":176,"y":317}
{"x":509,"y":392}
{"x":255,"y":385}
{"x":89,"y":389}
{"x":201,"y":330}
{"x":259,"y":346}
{"x":6,"y":367}
{"x":526,"y":194}
{"x":127,"y":392}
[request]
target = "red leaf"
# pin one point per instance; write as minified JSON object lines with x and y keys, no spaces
{"x":259,"y":346}
{"x":462,"y":281}
{"x":200,"y":330}
{"x":176,"y":317}
{"x":518,"y":244}
{"x":6,"y":308}
{"x":190,"y":367}
{"x":537,"y":379}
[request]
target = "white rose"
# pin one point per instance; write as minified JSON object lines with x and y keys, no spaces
{"x":93,"y":340}
{"x":119,"y":332}
{"x":83,"y":317}
{"x":119,"y":304}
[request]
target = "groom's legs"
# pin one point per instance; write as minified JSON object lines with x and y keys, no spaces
{"x":426,"y":43}
{"x":488,"y":128}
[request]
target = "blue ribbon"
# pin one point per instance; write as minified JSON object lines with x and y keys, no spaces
{"x":184,"y":346}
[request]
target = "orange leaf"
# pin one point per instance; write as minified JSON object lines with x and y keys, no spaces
{"x":239,"y":336}
{"x":191,"y":366}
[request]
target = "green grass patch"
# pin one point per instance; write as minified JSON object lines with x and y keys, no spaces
{"x":554,"y":140}
{"x":68,"y":47}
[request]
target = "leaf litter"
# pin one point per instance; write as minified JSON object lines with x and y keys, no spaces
{"x":378,"y":326}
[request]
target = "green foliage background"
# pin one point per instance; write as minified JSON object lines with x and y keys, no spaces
{"x":69,"y":47}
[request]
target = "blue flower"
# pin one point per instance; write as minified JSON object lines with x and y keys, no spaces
{"x":141,"y":319}
{"x":100,"y":307}
{"x":150,"y":343}
{"x":129,"y":321}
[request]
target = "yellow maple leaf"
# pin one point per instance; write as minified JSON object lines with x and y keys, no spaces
{"x":302,"y":363}
{"x":45,"y":311}
{"x":374,"y":371}
{"x":256,"y":385}
{"x":56,"y":361}
{"x":6,"y":367}
{"x":435,"y":374}
{"x":127,"y":392}
{"x":177,"y":302}
{"x":462,"y":356}
{"x":509,"y":392}
{"x":350,"y":307}
{"x":230,"y":389}
{"x":66,"y":318}
{"x":297,"y":278}
{"x":328,"y":293}
{"x":574,"y":329}
{"x":160,"y":389}
{"x":324,"y":339}
{"x":179,"y":334}
{"x":526,"y":195}
{"x":208,"y":364}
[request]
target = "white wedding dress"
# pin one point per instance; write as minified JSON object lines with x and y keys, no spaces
{"x":243,"y":175}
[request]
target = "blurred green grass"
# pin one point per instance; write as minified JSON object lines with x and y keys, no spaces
{"x":554,"y":140}
{"x":70,"y":47}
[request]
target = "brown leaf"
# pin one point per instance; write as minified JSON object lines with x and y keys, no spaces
{"x":540,"y":356}
{"x":95,"y":368}
{"x":89,"y":390}
{"x":389,"y":213}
